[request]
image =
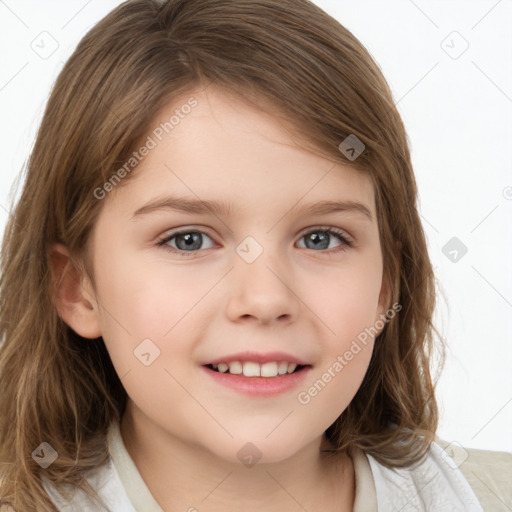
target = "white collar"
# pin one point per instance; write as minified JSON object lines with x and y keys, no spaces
{"x":435,"y":485}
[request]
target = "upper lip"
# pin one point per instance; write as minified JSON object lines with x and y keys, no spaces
{"x":258,"y":357}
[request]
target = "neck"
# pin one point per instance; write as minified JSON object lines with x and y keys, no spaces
{"x":184,"y":476}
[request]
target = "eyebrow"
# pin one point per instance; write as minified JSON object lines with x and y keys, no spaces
{"x":224,"y":209}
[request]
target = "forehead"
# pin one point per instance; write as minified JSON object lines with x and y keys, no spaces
{"x":224,"y":150}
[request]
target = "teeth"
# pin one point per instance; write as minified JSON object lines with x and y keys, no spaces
{"x":269,"y":370}
{"x":235,"y":367}
{"x":282,"y":368}
{"x":291,"y":367}
{"x":223,"y":367}
{"x":252,"y":369}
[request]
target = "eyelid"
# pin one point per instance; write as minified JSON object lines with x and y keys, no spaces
{"x":179,"y":231}
{"x":332,"y":229}
{"x":305,"y":231}
{"x":345,"y":238}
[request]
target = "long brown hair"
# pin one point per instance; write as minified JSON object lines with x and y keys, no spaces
{"x":287,"y":57}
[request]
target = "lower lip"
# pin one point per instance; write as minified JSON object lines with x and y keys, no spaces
{"x":259,"y":386}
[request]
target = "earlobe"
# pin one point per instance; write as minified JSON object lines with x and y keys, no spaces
{"x":384,"y":297}
{"x":383,"y":307}
{"x":72,"y":294}
{"x":389,"y":288}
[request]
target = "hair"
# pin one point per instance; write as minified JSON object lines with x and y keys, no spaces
{"x":285,"y":57}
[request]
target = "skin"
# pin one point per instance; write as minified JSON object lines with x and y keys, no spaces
{"x":183,"y":430}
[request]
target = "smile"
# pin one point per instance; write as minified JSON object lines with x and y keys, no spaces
{"x":253,"y":369}
{"x":257,"y":380}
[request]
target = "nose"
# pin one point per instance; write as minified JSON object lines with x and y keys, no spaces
{"x":262,"y":292}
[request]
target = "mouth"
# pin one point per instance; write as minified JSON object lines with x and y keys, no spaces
{"x":258,"y":374}
{"x":264,"y":379}
{"x":268,"y":370}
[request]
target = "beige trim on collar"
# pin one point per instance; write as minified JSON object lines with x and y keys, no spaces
{"x":133,"y":484}
{"x":365,"y":495}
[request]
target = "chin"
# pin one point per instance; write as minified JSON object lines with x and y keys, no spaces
{"x":251,"y":450}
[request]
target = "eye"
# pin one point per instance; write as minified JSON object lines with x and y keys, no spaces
{"x":185,"y":241}
{"x":192,"y":241}
{"x":321,"y":238}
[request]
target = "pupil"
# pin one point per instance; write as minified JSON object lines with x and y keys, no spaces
{"x":319,"y":239}
{"x":192,"y":241}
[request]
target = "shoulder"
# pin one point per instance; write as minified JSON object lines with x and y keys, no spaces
{"x":105,"y":481}
{"x":489,"y":473}
{"x":434,"y":484}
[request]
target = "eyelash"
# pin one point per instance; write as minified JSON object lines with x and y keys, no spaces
{"x":346,"y":242}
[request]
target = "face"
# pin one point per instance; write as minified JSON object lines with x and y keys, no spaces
{"x":232,"y":247}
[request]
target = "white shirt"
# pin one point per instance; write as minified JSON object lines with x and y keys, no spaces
{"x":436,"y":485}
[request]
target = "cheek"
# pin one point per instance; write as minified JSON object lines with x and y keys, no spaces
{"x":347,"y":304}
{"x":153,"y":301}
{"x":332,"y":388}
{"x":347,"y":299}
{"x":149,"y":319}
{"x":348,"y":309}
{"x":149,"y":298}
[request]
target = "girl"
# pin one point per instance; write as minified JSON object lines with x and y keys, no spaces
{"x":216,"y":292}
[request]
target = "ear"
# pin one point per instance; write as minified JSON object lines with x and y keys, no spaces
{"x":73,"y":294}
{"x":384,"y":298}
{"x":389,"y":288}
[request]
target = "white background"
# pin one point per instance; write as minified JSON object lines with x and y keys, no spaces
{"x":458,"y":114}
